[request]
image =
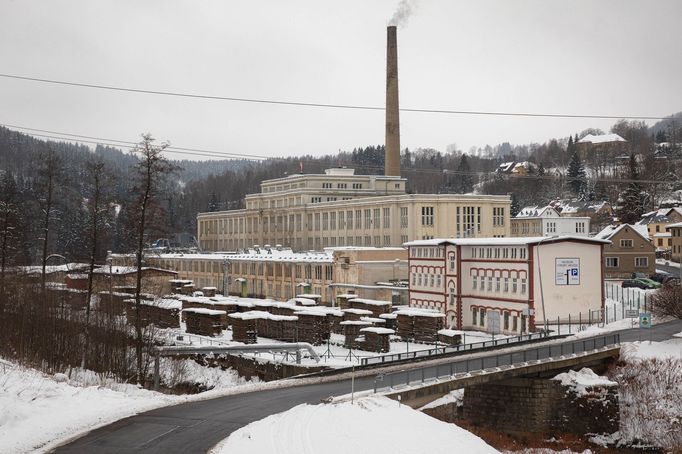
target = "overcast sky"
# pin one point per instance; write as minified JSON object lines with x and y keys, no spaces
{"x":610,"y":57}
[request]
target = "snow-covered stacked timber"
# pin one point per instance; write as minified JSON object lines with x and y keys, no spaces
{"x":419,"y":324}
{"x":164,"y":313}
{"x":312,"y":326}
{"x":450,"y":336}
{"x":244,"y":326}
{"x":74,"y":298}
{"x":391,"y":322}
{"x":355,"y":314}
{"x":376,"y":339}
{"x":209,"y":291}
{"x":205,"y":322}
{"x":377,"y":307}
{"x":351,"y":332}
{"x":343,"y":300}
{"x":278,"y":327}
{"x":113,"y":302}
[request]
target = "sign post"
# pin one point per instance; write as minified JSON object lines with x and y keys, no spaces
{"x":645,"y":323}
{"x":567,"y":271}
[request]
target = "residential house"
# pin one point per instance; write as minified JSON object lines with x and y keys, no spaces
{"x":546,"y":221}
{"x":675,"y":231}
{"x":630,"y":251}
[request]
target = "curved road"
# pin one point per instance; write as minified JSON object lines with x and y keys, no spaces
{"x":196,"y":427}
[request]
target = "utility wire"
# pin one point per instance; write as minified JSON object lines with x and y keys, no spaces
{"x":325,"y":105}
{"x":216,"y":154}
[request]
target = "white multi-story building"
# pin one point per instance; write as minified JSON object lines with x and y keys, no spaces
{"x":546,"y":221}
{"x":467,"y":279}
{"x":339,"y":208}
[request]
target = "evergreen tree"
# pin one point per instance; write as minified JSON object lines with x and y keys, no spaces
{"x":577,"y":179}
{"x":466,"y":183}
{"x":632,"y":200}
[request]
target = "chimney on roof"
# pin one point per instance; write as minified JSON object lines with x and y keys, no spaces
{"x":392,"y":144}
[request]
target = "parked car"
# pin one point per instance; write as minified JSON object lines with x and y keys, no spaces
{"x":634,"y":283}
{"x":650,"y":282}
{"x":638,"y":276}
{"x":659,"y":277}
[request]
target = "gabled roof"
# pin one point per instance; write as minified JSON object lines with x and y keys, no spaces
{"x":610,"y":231}
{"x":536,"y":211}
{"x":604,"y":138}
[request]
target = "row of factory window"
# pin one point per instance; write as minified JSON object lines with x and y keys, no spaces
{"x":342,"y":220}
{"x":499,"y":253}
{"x":430,"y":252}
{"x":426,"y":280}
{"x":272,"y":269}
{"x":261,"y":288}
{"x":501,"y":284}
{"x":298,"y":244}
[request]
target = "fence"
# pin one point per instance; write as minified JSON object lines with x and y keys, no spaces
{"x":444,"y":350}
{"x":448,"y":371}
{"x":619,"y":302}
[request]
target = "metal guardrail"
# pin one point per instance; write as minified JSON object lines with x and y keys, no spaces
{"x":448,"y":371}
{"x":444,"y":350}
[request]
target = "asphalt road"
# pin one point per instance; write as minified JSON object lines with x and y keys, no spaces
{"x":196,"y":427}
{"x":673,"y":270}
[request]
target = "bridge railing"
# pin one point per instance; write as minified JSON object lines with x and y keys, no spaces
{"x":446,"y":349}
{"x":446,"y":371}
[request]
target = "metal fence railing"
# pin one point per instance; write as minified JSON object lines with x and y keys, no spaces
{"x":448,"y":349}
{"x":426,"y":374}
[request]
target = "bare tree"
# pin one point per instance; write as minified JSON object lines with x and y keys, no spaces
{"x":51,"y":168}
{"x":8,"y":219}
{"x":667,"y":302}
{"x":151,"y":169}
{"x":98,"y":208}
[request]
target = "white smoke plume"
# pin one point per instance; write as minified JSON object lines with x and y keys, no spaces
{"x":403,"y":12}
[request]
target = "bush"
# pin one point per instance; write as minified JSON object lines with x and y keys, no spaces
{"x":667,"y":302}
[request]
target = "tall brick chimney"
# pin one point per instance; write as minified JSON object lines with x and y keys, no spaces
{"x":392,"y":154}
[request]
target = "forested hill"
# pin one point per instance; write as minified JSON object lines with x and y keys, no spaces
{"x":555,"y":169}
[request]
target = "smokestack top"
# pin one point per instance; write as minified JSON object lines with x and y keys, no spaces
{"x":392,"y":144}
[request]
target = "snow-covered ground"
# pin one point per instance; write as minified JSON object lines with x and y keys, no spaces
{"x":37,"y":410}
{"x":375,"y":424}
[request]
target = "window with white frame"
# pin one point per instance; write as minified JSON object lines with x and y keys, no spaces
{"x":497,"y":284}
{"x":641,"y":262}
{"x":551,"y":227}
{"x":452,"y":262}
{"x":474,"y":282}
{"x":612,"y":262}
{"x":522,"y":253}
{"x":474,"y":316}
{"x":514,"y":284}
{"x":506,"y":284}
{"x":490,"y":283}
{"x":387,"y":218}
{"x":580,"y":227}
{"x":523,"y":286}
{"x":627,"y":244}
{"x":482,"y":317}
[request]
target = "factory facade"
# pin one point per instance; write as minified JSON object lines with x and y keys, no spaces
{"x":339,"y":208}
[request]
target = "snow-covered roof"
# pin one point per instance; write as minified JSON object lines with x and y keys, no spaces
{"x":303,"y":301}
{"x":370,"y":302}
{"x":164,"y":303}
{"x":450,"y":332}
{"x":309,"y":296}
{"x":506,"y":241}
{"x":358,"y":311}
{"x":536,"y":211}
{"x":128,"y":270}
{"x":251,"y":315}
{"x":283,"y":255}
{"x":416,"y":312}
{"x":505,"y":166}
{"x":377,"y":330}
{"x":204,"y":311}
{"x":566,"y":206}
{"x":611,"y":230}
{"x":604,"y":138}
{"x":677,"y":225}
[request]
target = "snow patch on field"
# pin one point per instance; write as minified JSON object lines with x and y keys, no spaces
{"x":453,"y":397}
{"x":648,"y":350}
{"x":580,"y":381}
{"x":375,"y":424}
{"x":38,"y":410}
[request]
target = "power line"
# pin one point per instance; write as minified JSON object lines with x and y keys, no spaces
{"x":326,"y":105}
{"x":216,"y":154}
